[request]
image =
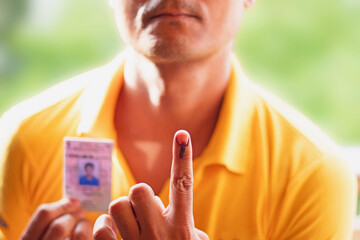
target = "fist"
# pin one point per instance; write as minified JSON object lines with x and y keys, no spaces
{"x":142,"y":215}
{"x":58,"y":220}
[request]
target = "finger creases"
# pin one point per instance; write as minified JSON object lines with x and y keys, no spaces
{"x":182,"y":184}
{"x":181,"y":187}
{"x":181,"y":169}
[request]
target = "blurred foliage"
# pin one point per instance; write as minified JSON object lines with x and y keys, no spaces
{"x":307,"y":52}
{"x":41,"y":51}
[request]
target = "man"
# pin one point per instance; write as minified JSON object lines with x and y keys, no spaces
{"x":261,"y":170}
{"x":89,"y":178}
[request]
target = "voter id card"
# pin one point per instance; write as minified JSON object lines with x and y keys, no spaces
{"x":87,"y":172}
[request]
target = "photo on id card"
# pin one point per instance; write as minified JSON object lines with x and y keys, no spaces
{"x":87,"y":172}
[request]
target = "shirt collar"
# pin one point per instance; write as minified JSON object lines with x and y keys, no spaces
{"x":230,"y":142}
{"x":98,"y":102}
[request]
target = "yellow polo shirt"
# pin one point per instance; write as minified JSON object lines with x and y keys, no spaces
{"x":267,"y":173}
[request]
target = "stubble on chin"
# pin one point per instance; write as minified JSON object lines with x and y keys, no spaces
{"x":164,"y":49}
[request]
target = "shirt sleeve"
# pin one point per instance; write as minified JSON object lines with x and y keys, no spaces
{"x":14,"y":176}
{"x":319,"y":203}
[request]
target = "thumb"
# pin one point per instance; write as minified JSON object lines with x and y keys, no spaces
{"x":181,"y":182}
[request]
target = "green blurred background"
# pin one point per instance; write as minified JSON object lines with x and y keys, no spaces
{"x":307,"y":52}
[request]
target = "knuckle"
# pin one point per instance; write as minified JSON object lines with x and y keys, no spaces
{"x":183,"y":184}
{"x":119,"y":205}
{"x":138,"y":191}
{"x":82,"y":230}
{"x":102,"y":233}
{"x":43,"y":212}
{"x":57,"y":229}
{"x":80,"y":235}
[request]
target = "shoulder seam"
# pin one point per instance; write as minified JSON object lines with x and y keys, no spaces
{"x":289,"y":126}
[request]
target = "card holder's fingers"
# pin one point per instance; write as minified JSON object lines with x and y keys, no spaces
{"x":83,"y":230}
{"x":63,"y":226}
{"x":104,"y":228}
{"x":45,"y":214}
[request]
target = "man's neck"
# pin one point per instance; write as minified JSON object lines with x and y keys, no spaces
{"x":179,"y":93}
{"x":157,"y":99}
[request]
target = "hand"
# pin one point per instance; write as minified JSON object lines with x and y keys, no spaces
{"x":58,"y":220}
{"x":142,"y":215}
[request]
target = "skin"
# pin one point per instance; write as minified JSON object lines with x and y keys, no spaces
{"x":175,"y":77}
{"x":178,"y":66}
{"x":58,"y":220}
{"x":141,"y":215}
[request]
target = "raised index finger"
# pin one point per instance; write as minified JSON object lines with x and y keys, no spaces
{"x":181,"y":187}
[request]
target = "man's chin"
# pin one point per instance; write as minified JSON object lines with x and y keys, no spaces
{"x":167,"y":53}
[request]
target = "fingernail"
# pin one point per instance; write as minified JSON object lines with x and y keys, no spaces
{"x":182,"y":139}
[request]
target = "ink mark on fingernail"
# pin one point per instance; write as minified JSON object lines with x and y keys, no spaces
{"x":182,"y":151}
